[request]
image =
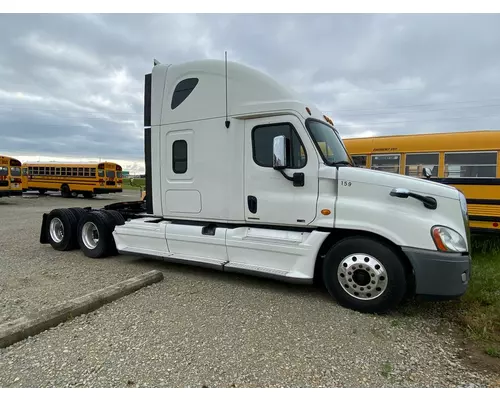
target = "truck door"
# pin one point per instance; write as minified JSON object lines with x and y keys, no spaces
{"x":269,"y":197}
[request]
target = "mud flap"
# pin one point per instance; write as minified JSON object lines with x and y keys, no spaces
{"x":43,"y":231}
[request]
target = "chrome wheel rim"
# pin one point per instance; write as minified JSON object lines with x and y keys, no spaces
{"x":90,"y":235}
{"x":56,"y":229}
{"x":362,"y":276}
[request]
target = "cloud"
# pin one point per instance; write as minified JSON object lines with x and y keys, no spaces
{"x":71,"y":85}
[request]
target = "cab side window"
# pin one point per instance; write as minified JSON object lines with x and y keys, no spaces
{"x":262,"y":145}
{"x":179,"y":156}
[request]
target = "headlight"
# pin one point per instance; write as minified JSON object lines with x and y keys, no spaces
{"x":448,"y":240}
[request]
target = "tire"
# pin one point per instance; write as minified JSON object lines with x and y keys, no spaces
{"x":61,"y":229}
{"x":364,"y":275}
{"x":65,"y":192}
{"x":101,"y":223}
{"x":118,"y":218}
{"x":88,"y":195}
{"x":78,"y":212}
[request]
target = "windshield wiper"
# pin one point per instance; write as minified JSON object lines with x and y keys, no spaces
{"x":342,"y":163}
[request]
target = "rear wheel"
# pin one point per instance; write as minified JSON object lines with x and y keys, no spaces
{"x":365,"y":275}
{"x":118,"y":218}
{"x":65,"y":192}
{"x":78,"y":212}
{"x":61,"y":225}
{"x":95,"y":236}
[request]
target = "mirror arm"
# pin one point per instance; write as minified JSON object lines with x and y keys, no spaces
{"x":285,"y":175}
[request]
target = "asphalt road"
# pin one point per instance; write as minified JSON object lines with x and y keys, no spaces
{"x":201,"y":327}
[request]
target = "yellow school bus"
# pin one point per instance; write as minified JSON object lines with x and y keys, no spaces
{"x":73,"y":178}
{"x":470,"y":161}
{"x":10,"y":177}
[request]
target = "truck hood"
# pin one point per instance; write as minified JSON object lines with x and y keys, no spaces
{"x":393,"y":180}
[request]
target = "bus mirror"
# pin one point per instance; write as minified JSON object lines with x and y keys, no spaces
{"x":427,"y":173}
{"x":279,"y":152}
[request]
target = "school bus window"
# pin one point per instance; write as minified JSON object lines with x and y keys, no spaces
{"x":15,"y":171}
{"x":58,"y":171}
{"x":75,"y":171}
{"x":52,"y":170}
{"x":415,"y":163}
{"x":92,"y":171}
{"x":387,"y":163}
{"x":110,"y":174}
{"x":86,"y":172}
{"x":35,"y":171}
{"x":25,"y":171}
{"x":4,"y":171}
{"x":360,"y":161}
{"x":470,"y":165}
{"x":119,"y":174}
{"x":101,"y":173}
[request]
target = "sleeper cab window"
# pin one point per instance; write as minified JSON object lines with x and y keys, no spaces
{"x":179,"y":156}
{"x":262,"y":145}
{"x":182,"y":91}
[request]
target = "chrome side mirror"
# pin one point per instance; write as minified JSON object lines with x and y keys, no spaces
{"x":279,"y":152}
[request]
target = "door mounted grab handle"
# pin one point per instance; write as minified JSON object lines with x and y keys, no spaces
{"x":252,"y":204}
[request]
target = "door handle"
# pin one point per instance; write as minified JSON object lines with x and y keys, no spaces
{"x":252,"y":204}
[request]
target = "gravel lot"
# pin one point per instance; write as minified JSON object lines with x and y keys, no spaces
{"x":203,"y":328}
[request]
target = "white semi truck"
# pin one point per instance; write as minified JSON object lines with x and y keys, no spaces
{"x":243,"y":175}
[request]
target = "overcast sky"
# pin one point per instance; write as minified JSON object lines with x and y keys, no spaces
{"x":71,"y":85}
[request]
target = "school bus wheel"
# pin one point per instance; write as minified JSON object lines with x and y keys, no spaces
{"x":65,"y":192}
{"x":88,"y":195}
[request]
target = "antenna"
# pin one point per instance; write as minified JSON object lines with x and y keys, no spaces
{"x":225,"y":68}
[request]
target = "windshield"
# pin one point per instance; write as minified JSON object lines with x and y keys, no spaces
{"x":110,"y":174}
{"x":15,"y":171}
{"x":329,"y":143}
{"x":3,"y":171}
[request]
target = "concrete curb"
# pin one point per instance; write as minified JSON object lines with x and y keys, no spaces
{"x":17,"y":330}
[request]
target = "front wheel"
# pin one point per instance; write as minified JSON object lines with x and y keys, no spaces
{"x":365,"y":275}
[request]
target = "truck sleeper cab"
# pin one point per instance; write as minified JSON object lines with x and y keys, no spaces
{"x":242,"y":175}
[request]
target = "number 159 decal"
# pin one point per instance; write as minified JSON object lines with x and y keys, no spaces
{"x":345,"y":183}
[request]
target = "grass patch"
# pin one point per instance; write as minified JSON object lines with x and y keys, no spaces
{"x":492,"y":352}
{"x":479,"y":309}
{"x":138,"y":183}
{"x":386,"y":369}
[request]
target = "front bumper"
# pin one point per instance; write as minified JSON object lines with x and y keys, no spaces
{"x":439,"y":274}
